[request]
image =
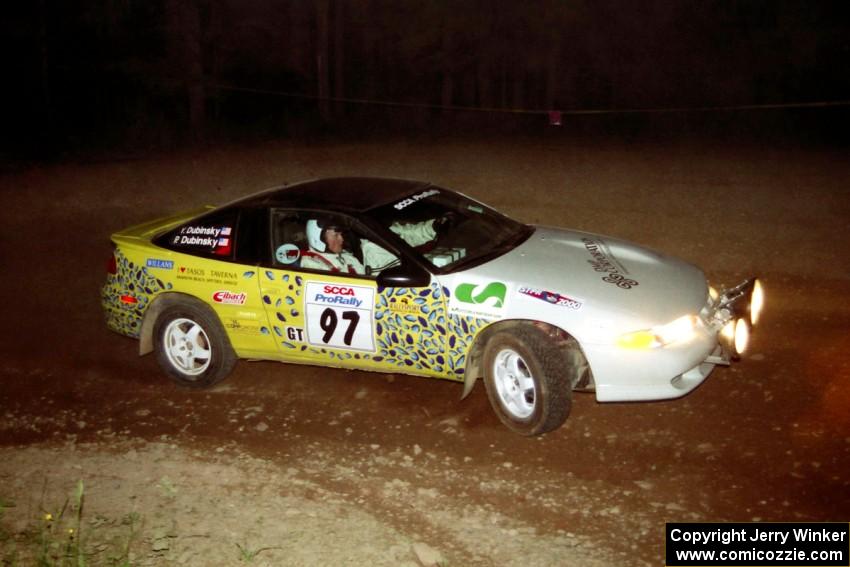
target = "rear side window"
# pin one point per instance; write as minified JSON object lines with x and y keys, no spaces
{"x":210,"y":236}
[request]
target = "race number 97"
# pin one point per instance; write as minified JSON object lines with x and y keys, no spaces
{"x":340,"y":316}
{"x":329,"y":323}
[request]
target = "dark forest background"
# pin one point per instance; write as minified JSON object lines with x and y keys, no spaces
{"x":96,"y":75}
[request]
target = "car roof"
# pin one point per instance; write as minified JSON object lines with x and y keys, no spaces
{"x":343,"y":194}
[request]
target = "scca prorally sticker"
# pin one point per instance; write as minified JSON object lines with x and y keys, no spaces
{"x":229,"y":297}
{"x":550,"y":297}
{"x":160,"y":264}
{"x":414,"y":198}
{"x":604,"y":261}
{"x":479,"y":298}
{"x":340,"y":315}
{"x":287,"y":253}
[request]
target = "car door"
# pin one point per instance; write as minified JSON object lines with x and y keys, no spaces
{"x":345,"y":319}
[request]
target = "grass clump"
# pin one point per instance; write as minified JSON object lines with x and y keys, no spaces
{"x":59,"y":537}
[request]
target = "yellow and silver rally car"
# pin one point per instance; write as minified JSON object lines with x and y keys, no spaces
{"x":402,"y":276}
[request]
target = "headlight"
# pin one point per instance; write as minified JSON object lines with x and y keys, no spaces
{"x":681,"y":329}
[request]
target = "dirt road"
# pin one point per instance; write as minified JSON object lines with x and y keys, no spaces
{"x":291,"y":465}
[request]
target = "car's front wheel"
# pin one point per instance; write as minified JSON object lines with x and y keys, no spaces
{"x":192,"y":346}
{"x":528,"y":379}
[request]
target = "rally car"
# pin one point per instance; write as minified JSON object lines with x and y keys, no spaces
{"x":404,"y":276}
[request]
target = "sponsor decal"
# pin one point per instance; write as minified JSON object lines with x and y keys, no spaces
{"x":337,"y":295}
{"x":192,"y":271}
{"x":414,"y":198}
{"x":403,"y":306}
{"x":223,"y":275}
{"x":242,"y":327}
{"x":340,"y":315}
{"x":189,"y":273}
{"x":230,"y":298}
{"x":492,"y":295}
{"x":161,"y":264}
{"x":605,"y":262}
{"x":479,"y":298}
{"x":550,"y":297}
{"x":193,"y":274}
{"x":287,"y":253}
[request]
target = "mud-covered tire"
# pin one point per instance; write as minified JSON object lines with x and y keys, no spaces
{"x":529,"y":380}
{"x":191,"y":345}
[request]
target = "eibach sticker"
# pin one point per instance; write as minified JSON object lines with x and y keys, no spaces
{"x":551,"y":297}
{"x":229,"y":297}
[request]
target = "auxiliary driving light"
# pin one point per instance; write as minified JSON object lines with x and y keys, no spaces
{"x":735,"y":335}
{"x":728,"y":332}
{"x":742,"y":336}
{"x":756,"y":302}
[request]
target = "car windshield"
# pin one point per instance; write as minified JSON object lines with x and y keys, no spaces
{"x":449,"y":230}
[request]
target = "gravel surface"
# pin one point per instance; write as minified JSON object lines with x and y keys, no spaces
{"x":294,"y":465}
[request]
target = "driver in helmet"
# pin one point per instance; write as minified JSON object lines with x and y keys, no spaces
{"x":327,"y":249}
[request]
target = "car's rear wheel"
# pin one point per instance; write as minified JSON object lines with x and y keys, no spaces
{"x":192,"y":346}
{"x":529,"y":379}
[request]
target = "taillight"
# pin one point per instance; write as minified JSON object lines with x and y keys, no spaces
{"x":112,"y":265}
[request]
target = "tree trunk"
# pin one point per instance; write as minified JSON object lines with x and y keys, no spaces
{"x":447,"y":89}
{"x":553,"y":72}
{"x":322,"y":59}
{"x":46,"y":103}
{"x":186,"y":29}
{"x":339,"y":55}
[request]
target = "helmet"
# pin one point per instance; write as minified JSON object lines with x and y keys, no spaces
{"x":316,"y":232}
{"x":314,"y":236}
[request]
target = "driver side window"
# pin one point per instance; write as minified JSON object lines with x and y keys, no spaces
{"x":326,"y":243}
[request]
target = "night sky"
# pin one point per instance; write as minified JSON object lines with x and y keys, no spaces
{"x":153,"y":74}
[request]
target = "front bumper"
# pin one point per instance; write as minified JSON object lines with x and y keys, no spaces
{"x":675,"y":370}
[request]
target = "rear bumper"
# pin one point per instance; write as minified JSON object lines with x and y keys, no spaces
{"x":121,"y":317}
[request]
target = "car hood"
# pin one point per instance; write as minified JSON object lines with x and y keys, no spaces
{"x":602,"y":273}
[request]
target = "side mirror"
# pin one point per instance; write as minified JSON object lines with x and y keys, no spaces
{"x":404,"y":275}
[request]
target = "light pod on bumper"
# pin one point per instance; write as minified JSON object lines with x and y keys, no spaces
{"x":742,"y":336}
{"x":756,"y":302}
{"x":735,"y":335}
